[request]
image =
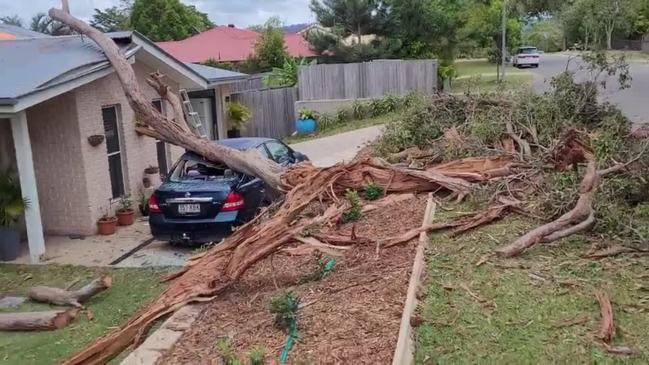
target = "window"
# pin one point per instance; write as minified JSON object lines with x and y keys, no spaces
{"x":113,"y":149}
{"x":262,"y":149}
{"x":161,"y":147}
{"x":279,"y":152}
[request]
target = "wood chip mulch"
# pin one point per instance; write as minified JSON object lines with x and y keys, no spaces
{"x":351,"y":316}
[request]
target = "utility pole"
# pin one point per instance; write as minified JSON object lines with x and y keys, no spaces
{"x":504,"y":40}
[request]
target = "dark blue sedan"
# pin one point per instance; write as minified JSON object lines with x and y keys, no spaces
{"x":201,"y":201}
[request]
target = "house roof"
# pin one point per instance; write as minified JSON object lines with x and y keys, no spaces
{"x":8,"y":32}
{"x":216,"y":75}
{"x":228,"y":44}
{"x":36,"y":67}
{"x":29,"y":65}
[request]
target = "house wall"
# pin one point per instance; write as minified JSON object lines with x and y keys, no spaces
{"x":138,"y":152}
{"x":72,"y":176}
{"x":58,"y":165}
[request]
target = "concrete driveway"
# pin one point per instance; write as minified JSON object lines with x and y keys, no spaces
{"x":632,"y":101}
{"x":328,"y":151}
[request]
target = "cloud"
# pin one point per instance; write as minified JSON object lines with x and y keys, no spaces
{"x":242,"y":13}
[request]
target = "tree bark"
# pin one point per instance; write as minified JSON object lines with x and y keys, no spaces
{"x":74,"y":298}
{"x":37,"y":321}
{"x":250,"y":162}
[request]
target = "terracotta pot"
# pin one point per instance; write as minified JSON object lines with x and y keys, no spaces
{"x":107,"y":226}
{"x":125,"y":217}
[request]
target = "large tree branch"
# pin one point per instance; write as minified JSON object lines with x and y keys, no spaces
{"x":249,"y":162}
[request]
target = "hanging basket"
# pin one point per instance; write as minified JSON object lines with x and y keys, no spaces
{"x":96,"y":139}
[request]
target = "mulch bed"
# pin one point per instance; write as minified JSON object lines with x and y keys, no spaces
{"x":351,"y":316}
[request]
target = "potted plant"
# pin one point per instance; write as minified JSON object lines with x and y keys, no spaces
{"x":144,"y":205}
{"x":239,"y":115}
{"x":107,"y":224}
{"x":306,"y":123}
{"x":125,"y":213}
{"x":12,"y":206}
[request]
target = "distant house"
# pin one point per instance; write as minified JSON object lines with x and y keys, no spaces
{"x":229,"y":44}
{"x":55,"y":93}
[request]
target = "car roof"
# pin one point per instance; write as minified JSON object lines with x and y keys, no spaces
{"x":244,"y":143}
{"x":527,"y":47}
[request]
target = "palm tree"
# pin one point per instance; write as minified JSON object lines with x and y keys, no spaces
{"x":12,"y":20}
{"x":42,"y":23}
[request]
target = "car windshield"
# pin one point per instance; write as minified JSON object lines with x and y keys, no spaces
{"x":527,"y":51}
{"x":188,"y":169}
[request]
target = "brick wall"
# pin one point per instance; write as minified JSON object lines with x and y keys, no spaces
{"x":58,"y":164}
{"x":72,"y":176}
{"x":138,"y":152}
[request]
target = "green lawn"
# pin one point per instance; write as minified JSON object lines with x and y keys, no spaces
{"x":525,"y":301}
{"x":343,"y":127}
{"x":479,"y":75}
{"x":131,"y":289}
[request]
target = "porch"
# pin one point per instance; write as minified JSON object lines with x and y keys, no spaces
{"x":131,"y":246}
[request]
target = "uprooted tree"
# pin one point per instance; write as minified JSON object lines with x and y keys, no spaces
{"x":210,"y":273}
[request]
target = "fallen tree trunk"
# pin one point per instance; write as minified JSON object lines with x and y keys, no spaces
{"x":74,"y":298}
{"x":37,"y":321}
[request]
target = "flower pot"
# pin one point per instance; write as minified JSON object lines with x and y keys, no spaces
{"x":234,"y":133}
{"x":107,"y":226}
{"x":9,"y":243}
{"x":125,"y":217}
{"x":305,"y":126}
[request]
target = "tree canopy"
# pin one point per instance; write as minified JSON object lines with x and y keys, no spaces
{"x":270,"y":50}
{"x":113,"y":19}
{"x":165,"y":20}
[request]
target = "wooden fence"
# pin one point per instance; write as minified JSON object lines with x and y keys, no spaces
{"x":254,"y":82}
{"x":367,"y":79}
{"x":272,"y":110}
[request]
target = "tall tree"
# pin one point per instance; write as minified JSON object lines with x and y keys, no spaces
{"x":426,"y":27}
{"x":356,"y":17}
{"x":270,"y":50}
{"x":114,"y":18}
{"x":165,"y":20}
{"x":12,"y":20}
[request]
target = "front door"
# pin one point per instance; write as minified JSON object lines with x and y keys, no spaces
{"x":203,"y":106}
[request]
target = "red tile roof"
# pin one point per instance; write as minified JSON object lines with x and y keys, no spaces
{"x":224,"y":43}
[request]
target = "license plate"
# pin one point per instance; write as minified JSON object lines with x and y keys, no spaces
{"x":189,"y":208}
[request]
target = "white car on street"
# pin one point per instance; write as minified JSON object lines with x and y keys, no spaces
{"x":526,"y":57}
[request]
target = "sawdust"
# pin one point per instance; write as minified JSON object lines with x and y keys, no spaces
{"x":349,"y":317}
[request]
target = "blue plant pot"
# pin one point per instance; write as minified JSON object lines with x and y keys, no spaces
{"x":305,"y":126}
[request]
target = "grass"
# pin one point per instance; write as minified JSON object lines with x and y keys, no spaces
{"x":480,"y":75}
{"x":517,"y":322}
{"x":131,"y":289}
{"x":341,"y":128}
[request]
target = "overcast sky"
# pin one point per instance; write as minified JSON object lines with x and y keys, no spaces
{"x":240,"y":12}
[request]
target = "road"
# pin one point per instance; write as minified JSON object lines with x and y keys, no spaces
{"x":328,"y":151}
{"x":634,"y":101}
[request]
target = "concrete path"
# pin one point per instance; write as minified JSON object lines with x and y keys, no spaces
{"x":328,"y":151}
